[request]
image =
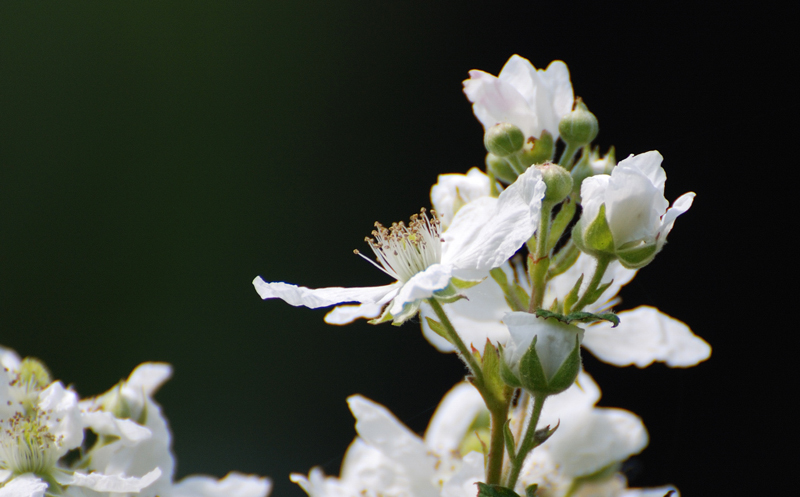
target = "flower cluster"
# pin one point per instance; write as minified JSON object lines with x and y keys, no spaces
{"x":43,"y":450}
{"x":516,"y":269}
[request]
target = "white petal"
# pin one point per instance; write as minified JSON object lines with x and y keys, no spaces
{"x":554,"y":340}
{"x":495,"y":101}
{"x":345,"y":314}
{"x":462,"y":483}
{"x":27,"y":485}
{"x":148,"y":377}
{"x":380,"y":429}
{"x":486,"y":233}
{"x":634,"y":206}
{"x":234,"y":484}
{"x":455,"y":414}
{"x":113,"y":483}
{"x":65,"y":421}
{"x":422,"y":286}
{"x":593,"y":195}
{"x":681,"y":205}
{"x":453,"y":191}
{"x":104,"y":423}
{"x":644,"y":336}
{"x":651,"y":492}
{"x":321,"y":297}
{"x":647,"y":164}
{"x":583,"y":445}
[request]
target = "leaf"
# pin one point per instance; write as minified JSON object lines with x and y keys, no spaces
{"x":438,"y":328}
{"x":588,"y":317}
{"x":572,"y":296}
{"x":541,"y":435}
{"x":511,"y":446}
{"x":530,"y":491}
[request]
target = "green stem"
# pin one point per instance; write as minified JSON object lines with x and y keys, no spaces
{"x":587,"y":297}
{"x":516,"y":163}
{"x":497,"y":446}
{"x":453,"y":337}
{"x":528,"y":442}
{"x":568,"y":156}
{"x":537,"y":268}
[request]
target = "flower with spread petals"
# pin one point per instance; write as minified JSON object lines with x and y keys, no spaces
{"x":425,"y":262}
{"x":532,"y":99}
{"x":625,"y":213}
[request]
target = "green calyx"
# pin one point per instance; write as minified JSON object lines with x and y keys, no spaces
{"x":595,"y":238}
{"x":579,"y":127}
{"x":503,"y":139}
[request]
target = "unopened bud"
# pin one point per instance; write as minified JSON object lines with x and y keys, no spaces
{"x":503,"y":139}
{"x":579,"y":127}
{"x":501,"y":169}
{"x":558,"y":182}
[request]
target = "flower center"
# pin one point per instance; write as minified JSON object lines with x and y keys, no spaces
{"x":403,"y":251}
{"x":26,"y":444}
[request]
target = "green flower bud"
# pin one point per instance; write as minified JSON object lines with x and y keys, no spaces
{"x":503,"y":139}
{"x":579,"y":127}
{"x":538,"y":150}
{"x":501,"y":169}
{"x":558,"y":182}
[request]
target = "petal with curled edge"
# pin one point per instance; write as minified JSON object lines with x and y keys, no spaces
{"x":314,"y":298}
{"x":496,"y":101}
{"x":646,"y":335}
{"x":486,"y":232}
{"x":105,"y":423}
{"x":110,"y":483}
{"x":234,"y":484}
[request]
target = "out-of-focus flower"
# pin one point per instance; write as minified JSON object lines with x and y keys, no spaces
{"x":482,"y":236}
{"x":453,"y":191}
{"x":532,"y":99}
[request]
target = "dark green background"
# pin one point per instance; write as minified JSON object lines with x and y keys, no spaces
{"x":156,"y":156}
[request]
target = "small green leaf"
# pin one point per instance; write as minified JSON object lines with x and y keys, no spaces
{"x":598,"y":292}
{"x":572,"y":296}
{"x":438,"y":328}
{"x":492,"y":490}
{"x":588,"y":317}
{"x":541,"y":435}
{"x":511,"y":446}
{"x":530,"y":491}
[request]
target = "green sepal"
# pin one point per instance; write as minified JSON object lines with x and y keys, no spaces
{"x":511,"y":446}
{"x":479,"y":430}
{"x":598,"y":292}
{"x":568,"y":372}
{"x":601,"y":474}
{"x":588,"y":317}
{"x":464,"y":284}
{"x":560,"y":223}
{"x":492,"y":490}
{"x":531,"y":372}
{"x":639,"y":257}
{"x":508,"y":376}
{"x":580,"y":316}
{"x":541,"y":435}
{"x":437,"y":328}
{"x":530,"y":491}
{"x":597,"y":236}
{"x":538,"y":150}
{"x":515,"y":295}
{"x":492,"y":380}
{"x":572,"y":296}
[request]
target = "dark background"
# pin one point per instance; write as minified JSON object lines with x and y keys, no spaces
{"x":156,"y":156}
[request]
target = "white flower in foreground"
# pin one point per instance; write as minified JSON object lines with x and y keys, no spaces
{"x":533,"y":100}
{"x":483,"y":235}
{"x":635,"y":209}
